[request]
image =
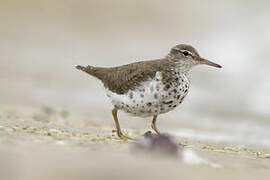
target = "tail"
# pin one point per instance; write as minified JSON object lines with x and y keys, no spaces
{"x":97,"y":72}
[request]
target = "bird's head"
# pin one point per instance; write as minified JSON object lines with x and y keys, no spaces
{"x":186,"y":56}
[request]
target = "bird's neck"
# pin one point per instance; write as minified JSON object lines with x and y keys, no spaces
{"x":183,"y":68}
{"x":183,"y":71}
{"x":180,"y":66}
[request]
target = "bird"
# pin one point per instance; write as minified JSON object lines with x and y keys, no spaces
{"x":151,"y":87}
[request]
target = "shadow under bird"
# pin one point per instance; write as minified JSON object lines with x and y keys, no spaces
{"x":149,"y":88}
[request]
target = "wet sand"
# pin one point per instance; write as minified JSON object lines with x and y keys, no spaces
{"x":47,"y":143}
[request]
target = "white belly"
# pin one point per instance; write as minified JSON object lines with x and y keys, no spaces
{"x":152,"y":97}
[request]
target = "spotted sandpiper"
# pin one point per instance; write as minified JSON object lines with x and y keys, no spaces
{"x":149,"y":88}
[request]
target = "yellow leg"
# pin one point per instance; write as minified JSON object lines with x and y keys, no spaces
{"x":154,"y":127}
{"x":118,"y":129}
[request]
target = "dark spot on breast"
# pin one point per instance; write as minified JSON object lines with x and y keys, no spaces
{"x":166,"y":87}
{"x":142,"y":111}
{"x":162,"y":109}
{"x":142,"y":95}
{"x":167,"y":102}
{"x":178,"y":96}
{"x":130,"y":95}
{"x":185,"y":90}
{"x":170,"y":106}
{"x":149,"y":104}
{"x":170,"y":93}
{"x":176,"y":79}
{"x":174,"y":106}
{"x":155,"y":95}
{"x":175,"y":90}
{"x":156,"y":105}
{"x":134,"y":101}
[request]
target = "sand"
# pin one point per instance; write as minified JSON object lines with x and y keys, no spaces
{"x":47,"y":143}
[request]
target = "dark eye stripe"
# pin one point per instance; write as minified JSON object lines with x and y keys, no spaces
{"x":186,"y":53}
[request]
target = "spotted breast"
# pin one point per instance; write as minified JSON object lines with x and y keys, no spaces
{"x":152,"y":97}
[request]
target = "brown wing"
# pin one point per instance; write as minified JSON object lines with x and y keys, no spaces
{"x":122,"y":78}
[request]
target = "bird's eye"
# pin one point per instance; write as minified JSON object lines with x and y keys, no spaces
{"x":186,"y":53}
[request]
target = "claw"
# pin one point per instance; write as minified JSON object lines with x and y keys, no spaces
{"x":122,"y":136}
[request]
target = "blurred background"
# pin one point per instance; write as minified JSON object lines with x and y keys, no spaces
{"x":41,"y":41}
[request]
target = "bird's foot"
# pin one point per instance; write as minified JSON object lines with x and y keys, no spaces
{"x":153,"y":126}
{"x":149,"y":133}
{"x":122,"y":136}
